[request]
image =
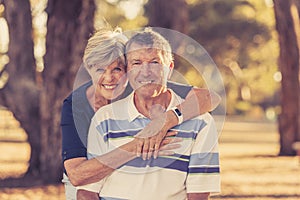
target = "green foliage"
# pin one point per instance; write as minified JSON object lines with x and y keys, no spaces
{"x":113,"y":13}
{"x":240,"y":37}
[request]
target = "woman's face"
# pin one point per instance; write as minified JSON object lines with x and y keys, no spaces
{"x":109,"y":81}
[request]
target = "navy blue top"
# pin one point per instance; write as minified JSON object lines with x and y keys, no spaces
{"x":77,"y":114}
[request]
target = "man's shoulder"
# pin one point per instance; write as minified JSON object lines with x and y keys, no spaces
{"x":200,"y":121}
{"x":206,"y":116}
{"x":176,"y":98}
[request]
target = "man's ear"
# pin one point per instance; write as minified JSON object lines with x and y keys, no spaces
{"x":171,"y":67}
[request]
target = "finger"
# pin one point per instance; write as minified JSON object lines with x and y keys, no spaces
{"x":160,"y":137}
{"x":151,"y":146}
{"x":170,"y":147}
{"x":145,"y":148}
{"x":165,"y":153}
{"x":157,"y":144}
{"x":139,"y":146}
{"x":171,"y":133}
{"x":171,"y":141}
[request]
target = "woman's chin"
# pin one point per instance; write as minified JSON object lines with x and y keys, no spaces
{"x":111,"y":96}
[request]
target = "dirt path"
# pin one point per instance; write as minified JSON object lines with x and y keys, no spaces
{"x":250,"y":168}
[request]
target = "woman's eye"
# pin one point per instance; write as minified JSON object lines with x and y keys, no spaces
{"x":99,"y":70}
{"x":117,"y":69}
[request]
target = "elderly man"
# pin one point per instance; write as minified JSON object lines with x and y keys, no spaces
{"x":192,"y":172}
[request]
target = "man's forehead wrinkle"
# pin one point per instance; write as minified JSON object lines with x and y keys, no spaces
{"x":144,"y":52}
{"x":145,"y":57}
{"x":142,"y":47}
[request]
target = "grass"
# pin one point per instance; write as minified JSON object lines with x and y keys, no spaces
{"x":250,"y":167}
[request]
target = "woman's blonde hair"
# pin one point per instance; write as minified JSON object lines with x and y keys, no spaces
{"x":104,"y":47}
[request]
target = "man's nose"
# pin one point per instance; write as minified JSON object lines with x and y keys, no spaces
{"x":145,"y":69}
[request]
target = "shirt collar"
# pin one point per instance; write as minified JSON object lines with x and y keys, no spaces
{"x":134,"y":113}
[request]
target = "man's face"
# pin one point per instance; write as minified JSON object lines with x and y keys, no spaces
{"x":109,"y":81}
{"x":146,"y":70}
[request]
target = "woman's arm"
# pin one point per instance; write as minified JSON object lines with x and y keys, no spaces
{"x":198,"y":196}
{"x":82,"y":171}
{"x":86,"y":195}
{"x":197,"y":102}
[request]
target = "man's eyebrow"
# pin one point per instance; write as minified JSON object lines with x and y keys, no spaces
{"x":135,"y":59}
{"x":155,"y":58}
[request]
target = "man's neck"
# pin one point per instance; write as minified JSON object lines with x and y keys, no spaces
{"x":152,"y":106}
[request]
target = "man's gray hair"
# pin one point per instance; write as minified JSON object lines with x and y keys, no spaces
{"x":152,"y":39}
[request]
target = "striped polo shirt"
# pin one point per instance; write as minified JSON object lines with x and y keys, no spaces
{"x":193,"y":168}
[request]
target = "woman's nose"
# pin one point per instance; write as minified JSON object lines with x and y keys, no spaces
{"x":108,"y":76}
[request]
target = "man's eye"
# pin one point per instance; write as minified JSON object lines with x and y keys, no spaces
{"x":154,"y":64}
{"x":136,"y":64}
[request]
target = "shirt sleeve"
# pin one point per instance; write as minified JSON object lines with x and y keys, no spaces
{"x":204,"y":170}
{"x":181,"y":90}
{"x":72,"y":146}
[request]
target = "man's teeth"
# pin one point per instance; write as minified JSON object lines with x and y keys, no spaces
{"x":145,"y":82}
{"x":109,"y":87}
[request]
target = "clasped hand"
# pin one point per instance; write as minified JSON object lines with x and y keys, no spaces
{"x":155,"y":139}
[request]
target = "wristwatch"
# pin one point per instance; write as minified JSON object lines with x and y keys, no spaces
{"x":178,"y":114}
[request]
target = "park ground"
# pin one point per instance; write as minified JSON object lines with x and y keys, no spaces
{"x":250,"y":167}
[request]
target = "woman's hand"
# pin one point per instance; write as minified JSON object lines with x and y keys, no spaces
{"x":145,"y":146}
{"x":198,"y":101}
{"x":151,"y":137}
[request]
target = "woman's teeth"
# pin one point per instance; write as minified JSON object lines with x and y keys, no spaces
{"x":109,"y":87}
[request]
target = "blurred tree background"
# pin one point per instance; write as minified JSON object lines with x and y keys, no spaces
{"x":239,"y":35}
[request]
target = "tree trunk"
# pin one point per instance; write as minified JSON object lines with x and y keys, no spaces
{"x":21,"y":94}
{"x":172,"y":15}
{"x":38,"y":106}
{"x":168,"y":14}
{"x":297,"y":4}
{"x":289,"y":66}
{"x":69,"y":25}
